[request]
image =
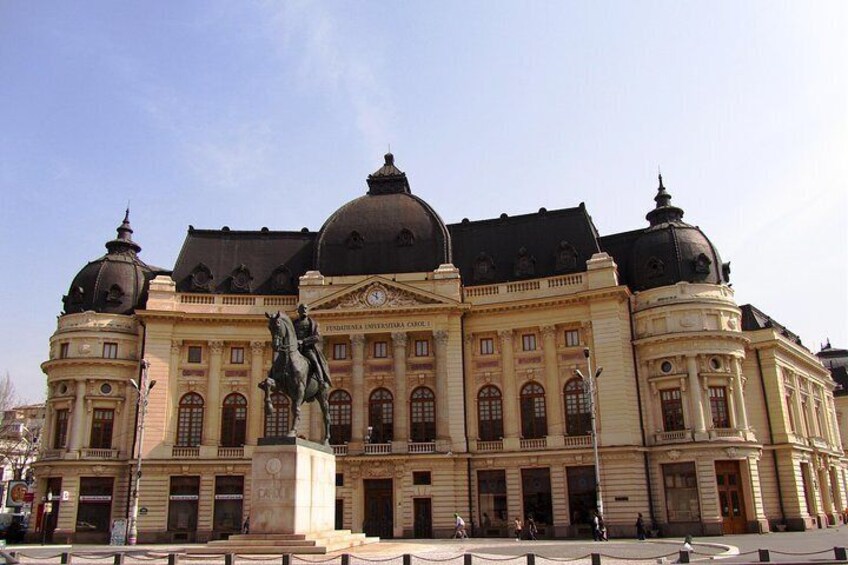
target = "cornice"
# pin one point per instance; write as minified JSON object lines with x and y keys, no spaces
{"x":88,"y":362}
{"x":620,"y":292}
{"x":688,"y":336}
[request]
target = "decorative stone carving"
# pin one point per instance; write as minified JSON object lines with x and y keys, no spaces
{"x":257,"y":347}
{"x":216,"y":347}
{"x":506,"y":336}
{"x":548,"y":331}
{"x":399,"y":339}
{"x":525,"y":264}
{"x":357,"y":339}
{"x":405,"y":238}
{"x":240,"y":279}
{"x":282,"y":280}
{"x":441,"y":337}
{"x":565,"y":257}
{"x":378,"y":295}
{"x":701,"y":264}
{"x":201,"y":278}
{"x":732,"y":452}
{"x":115,"y":294}
{"x":674,"y":454}
{"x":484,"y":268}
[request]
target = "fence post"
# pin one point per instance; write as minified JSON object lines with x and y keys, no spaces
{"x":119,"y":559}
{"x":173,"y":559}
{"x":287,"y":559}
{"x":466,"y":558}
{"x":764,"y":555}
{"x":840,"y":554}
{"x":596,"y":559}
{"x":407,"y":559}
{"x":683,"y":556}
{"x":229,"y":559}
{"x":65,"y":559}
{"x":345,"y":558}
{"x":531,"y":559}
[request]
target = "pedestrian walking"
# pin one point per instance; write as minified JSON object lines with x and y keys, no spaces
{"x":531,"y":528}
{"x":518,"y":527}
{"x":459,"y":527}
{"x":640,"y":528}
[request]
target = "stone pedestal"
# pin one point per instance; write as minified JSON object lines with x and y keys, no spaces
{"x":293,"y":487}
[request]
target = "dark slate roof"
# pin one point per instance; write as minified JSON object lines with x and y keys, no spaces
{"x":836,"y":360}
{"x":259,"y":262}
{"x":620,"y":247}
{"x":755,"y":319}
{"x":535,"y":245}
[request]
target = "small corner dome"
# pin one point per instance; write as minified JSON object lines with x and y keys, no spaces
{"x":389,"y":230}
{"x":116,"y":283}
{"x":671,"y":251}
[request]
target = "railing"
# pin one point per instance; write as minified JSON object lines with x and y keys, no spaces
{"x":673,"y":436}
{"x":523,"y":286}
{"x":230,"y":452}
{"x":378,"y":448}
{"x":567,"y":280}
{"x":340,"y":449}
{"x":578,"y":441}
{"x":422,"y":447}
{"x":185,"y":452}
{"x":197,"y":299}
{"x":490,"y":446}
{"x":279,"y":301}
{"x":725,"y":433}
{"x":98,"y":453}
{"x":238,"y":300}
{"x":534,"y":443}
{"x":53,"y":454}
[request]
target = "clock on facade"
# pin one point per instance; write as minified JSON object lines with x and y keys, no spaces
{"x":376,"y":296}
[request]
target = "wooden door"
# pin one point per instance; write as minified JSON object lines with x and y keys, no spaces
{"x":731,"y":501}
{"x":423,"y":518}
{"x":379,"y":515}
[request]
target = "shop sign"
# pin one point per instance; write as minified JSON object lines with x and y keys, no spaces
{"x":183,"y":497}
{"x":95,"y":498}
{"x":229,"y":497}
{"x":16,"y":493}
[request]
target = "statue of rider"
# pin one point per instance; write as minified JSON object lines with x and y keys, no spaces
{"x":306,"y":330}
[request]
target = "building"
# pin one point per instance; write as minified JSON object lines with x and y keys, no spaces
{"x":20,"y":434}
{"x":454,"y":351}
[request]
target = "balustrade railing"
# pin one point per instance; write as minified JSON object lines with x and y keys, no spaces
{"x":578,"y":441}
{"x":378,"y":448}
{"x":673,"y":436}
{"x":489,"y":446}
{"x":98,"y":453}
{"x":230,"y":452}
{"x":422,"y":447}
{"x":185,"y":452}
{"x":340,"y":449}
{"x":534,"y":443}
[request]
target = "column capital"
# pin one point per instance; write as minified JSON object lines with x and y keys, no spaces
{"x":216,"y":347}
{"x":505,"y":335}
{"x":548,"y":331}
{"x":399,"y":339}
{"x":176,"y":345}
{"x":357,"y":339}
{"x":257,"y":347}
{"x":441,"y":337}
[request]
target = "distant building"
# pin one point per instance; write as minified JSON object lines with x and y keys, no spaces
{"x":20,"y":434}
{"x":453,"y":350}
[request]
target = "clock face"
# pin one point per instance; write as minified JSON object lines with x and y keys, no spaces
{"x":376,"y":297}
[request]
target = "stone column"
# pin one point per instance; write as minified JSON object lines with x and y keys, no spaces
{"x":401,"y":403}
{"x":440,"y":337}
{"x":256,"y":402}
{"x":738,"y":396}
{"x":173,"y":400}
{"x":212,"y":433}
{"x":695,"y":397}
{"x":78,"y":424}
{"x":556,"y":415}
{"x":357,"y":346}
{"x":471,"y":404}
{"x":510,"y":396}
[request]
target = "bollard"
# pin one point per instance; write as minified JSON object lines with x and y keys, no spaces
{"x":173,"y":559}
{"x":531,"y":559}
{"x":596,"y":559}
{"x":119,"y":559}
{"x":287,"y":559}
{"x":65,"y":559}
{"x":466,"y":558}
{"x":345,"y":558}
{"x":764,"y":555}
{"x":407,"y":559}
{"x":840,"y":554}
{"x":684,"y":556}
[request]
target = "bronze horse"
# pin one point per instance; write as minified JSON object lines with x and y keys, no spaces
{"x":292,"y":374}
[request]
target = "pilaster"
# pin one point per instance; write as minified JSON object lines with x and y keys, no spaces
{"x":401,"y":404}
{"x":510,"y":397}
{"x":213,"y":406}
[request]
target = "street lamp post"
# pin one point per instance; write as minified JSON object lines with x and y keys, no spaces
{"x":143,"y":389}
{"x":591,"y":385}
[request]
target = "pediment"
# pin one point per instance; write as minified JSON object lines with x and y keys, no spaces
{"x":378,"y":293}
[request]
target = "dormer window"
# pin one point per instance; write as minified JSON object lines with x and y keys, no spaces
{"x":240,"y":280}
{"x":405,"y":238}
{"x":355,"y":240}
{"x":655,"y":267}
{"x":566,"y":257}
{"x":702,"y":264}
{"x":115,"y":294}
{"x":525,"y":264}
{"x":484,"y":268}
{"x":201,"y":278}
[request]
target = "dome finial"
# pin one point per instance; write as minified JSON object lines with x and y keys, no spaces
{"x":124,"y":240}
{"x":390,"y":159}
{"x":663,"y":211}
{"x":388,"y":179}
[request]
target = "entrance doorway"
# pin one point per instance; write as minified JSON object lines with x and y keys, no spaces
{"x":379,"y":515}
{"x":423,"y":518}
{"x":731,"y":501}
{"x":536,"y":496}
{"x":582,"y":497}
{"x":50,"y":516}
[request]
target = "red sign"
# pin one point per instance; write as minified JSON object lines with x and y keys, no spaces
{"x":29,"y":497}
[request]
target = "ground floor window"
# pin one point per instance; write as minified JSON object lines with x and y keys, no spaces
{"x":94,"y":512}
{"x":491,"y":497}
{"x":582,"y":493}
{"x":182,"y":504}
{"x":681,"y":492}
{"x":809,"y":494}
{"x":536,"y":495}
{"x":229,"y":500}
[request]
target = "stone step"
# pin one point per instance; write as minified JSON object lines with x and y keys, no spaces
{"x":314,"y":543}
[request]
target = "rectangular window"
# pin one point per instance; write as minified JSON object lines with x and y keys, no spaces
{"x":572,"y":338}
{"x":229,"y":502}
{"x":339,"y":479}
{"x":790,"y":402}
{"x":422,"y":348}
{"x":94,"y":511}
{"x":487,"y":346}
{"x":237,"y":355}
{"x":64,"y":349}
{"x":672,"y":410}
{"x":421,"y":478}
{"x":681,"y":492}
{"x":101,"y":428}
{"x":182,"y":504}
{"x":339,"y":351}
{"x":380,"y":350}
{"x":195,"y":354}
{"x":718,"y":407}
{"x":60,"y":433}
{"x":491,"y":497}
{"x":110,"y":350}
{"x":528,"y":342}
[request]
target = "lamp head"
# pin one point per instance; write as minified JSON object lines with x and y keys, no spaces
{"x":586,"y":352}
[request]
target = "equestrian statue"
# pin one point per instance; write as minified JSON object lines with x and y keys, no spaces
{"x":299,"y":370}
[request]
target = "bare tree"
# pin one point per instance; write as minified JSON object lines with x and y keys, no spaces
{"x":19,"y":434}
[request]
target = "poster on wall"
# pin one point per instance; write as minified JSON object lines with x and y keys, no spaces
{"x":16,"y":493}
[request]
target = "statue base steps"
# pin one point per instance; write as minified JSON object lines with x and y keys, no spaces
{"x":270,"y":544}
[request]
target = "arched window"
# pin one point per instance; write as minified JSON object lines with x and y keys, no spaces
{"x":233,"y":420}
{"x":277,"y":423}
{"x":190,"y":420}
{"x":578,"y":418}
{"x":339,"y":417}
{"x":534,"y":421}
{"x":423,"y":415}
{"x":381,"y":416}
{"x":489,"y":413}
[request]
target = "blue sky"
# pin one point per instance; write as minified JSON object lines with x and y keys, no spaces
{"x":252,"y":114}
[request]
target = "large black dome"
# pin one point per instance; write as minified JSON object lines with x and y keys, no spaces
{"x":389,"y":230}
{"x":671,"y":251}
{"x":115,"y":283}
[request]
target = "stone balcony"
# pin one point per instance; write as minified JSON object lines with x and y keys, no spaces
{"x":532,"y":444}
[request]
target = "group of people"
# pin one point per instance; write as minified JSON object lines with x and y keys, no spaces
{"x":531,"y":532}
{"x":599,"y":529}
